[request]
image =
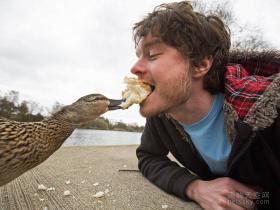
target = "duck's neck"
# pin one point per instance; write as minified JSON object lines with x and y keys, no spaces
{"x":58,"y":128}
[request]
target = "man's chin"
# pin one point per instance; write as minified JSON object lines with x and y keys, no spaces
{"x":146,"y":111}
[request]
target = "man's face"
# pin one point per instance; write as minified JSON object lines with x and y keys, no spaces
{"x":164,"y":68}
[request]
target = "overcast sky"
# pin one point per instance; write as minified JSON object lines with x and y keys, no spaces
{"x":60,"y":50}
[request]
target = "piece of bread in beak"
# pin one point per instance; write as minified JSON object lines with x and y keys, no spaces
{"x":136,"y":91}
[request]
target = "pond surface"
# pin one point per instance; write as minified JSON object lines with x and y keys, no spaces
{"x":91,"y":137}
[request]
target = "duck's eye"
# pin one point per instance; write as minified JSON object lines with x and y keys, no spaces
{"x":98,"y":98}
{"x":92,"y":98}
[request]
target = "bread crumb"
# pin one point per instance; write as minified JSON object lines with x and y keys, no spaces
{"x":96,"y":184}
{"x":51,"y":189}
{"x":66,"y":192}
{"x":98,"y":194}
{"x":42,"y":187}
{"x":164,"y":206}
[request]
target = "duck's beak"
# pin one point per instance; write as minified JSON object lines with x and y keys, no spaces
{"x":115,"y":104}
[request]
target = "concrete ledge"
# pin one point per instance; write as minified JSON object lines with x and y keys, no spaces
{"x":84,"y":167}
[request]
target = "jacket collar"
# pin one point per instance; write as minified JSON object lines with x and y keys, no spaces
{"x":252,"y":89}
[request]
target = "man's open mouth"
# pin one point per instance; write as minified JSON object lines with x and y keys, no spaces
{"x":151,"y":85}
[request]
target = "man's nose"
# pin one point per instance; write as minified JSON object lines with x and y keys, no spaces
{"x":139,"y":69}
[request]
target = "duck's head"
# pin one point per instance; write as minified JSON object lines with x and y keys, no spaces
{"x":88,"y":108}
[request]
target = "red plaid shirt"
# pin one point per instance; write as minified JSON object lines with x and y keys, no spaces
{"x":245,"y":83}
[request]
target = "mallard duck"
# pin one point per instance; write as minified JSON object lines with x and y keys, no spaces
{"x":24,"y":145}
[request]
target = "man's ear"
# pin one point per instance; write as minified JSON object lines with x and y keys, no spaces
{"x":204,"y":66}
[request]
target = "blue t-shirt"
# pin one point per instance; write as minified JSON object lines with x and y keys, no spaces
{"x":210,"y":138}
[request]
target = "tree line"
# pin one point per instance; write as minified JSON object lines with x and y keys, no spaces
{"x":102,"y":123}
{"x":29,"y":111}
{"x":11,"y":108}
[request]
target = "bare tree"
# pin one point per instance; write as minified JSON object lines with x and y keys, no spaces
{"x":12,"y":108}
{"x":56,"y":107}
{"x":34,"y":107}
{"x":248,"y":37}
{"x":12,"y":96}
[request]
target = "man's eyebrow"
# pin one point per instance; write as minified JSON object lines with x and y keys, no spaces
{"x":152,"y":42}
{"x":149,"y":44}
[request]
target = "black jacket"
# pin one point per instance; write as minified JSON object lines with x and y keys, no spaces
{"x":255,"y":137}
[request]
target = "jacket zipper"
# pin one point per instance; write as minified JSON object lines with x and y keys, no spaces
{"x":241,"y":153}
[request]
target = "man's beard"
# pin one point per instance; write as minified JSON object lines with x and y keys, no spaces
{"x":179,"y":93}
{"x":173,"y":94}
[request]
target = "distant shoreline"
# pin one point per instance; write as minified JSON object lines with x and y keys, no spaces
{"x":121,"y":130}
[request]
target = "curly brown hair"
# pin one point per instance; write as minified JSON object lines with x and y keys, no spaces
{"x":195,"y":35}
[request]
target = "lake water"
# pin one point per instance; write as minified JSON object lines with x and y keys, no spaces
{"x":91,"y":137}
